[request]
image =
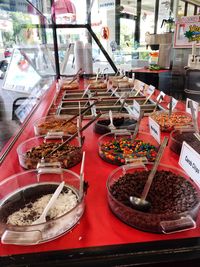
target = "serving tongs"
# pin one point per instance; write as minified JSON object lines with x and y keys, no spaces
{"x":194,"y":119}
{"x":72,"y":137}
{"x":82,"y":112}
{"x":157,"y":102}
{"x":123,"y":95}
{"x":75,"y":77}
{"x":123,"y":102}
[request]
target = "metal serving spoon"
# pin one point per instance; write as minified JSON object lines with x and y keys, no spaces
{"x":137,"y":125}
{"x":42,"y":218}
{"x":194,"y":119}
{"x":81,"y":189}
{"x":141,"y":203}
{"x":170,"y":107}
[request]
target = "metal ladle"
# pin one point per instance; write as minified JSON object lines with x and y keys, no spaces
{"x":141,"y":203}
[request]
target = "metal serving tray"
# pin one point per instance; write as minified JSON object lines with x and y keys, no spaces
{"x":74,"y":96}
{"x":74,"y":103}
{"x":72,"y":110}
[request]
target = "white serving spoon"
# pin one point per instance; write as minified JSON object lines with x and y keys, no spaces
{"x":42,"y":218}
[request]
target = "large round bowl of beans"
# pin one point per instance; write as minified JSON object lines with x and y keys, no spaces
{"x":174,"y":199}
{"x":168,"y":122}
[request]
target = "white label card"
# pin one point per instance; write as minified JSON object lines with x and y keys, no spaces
{"x":141,"y":86}
{"x":151,"y":89}
{"x":136,"y":109}
{"x":195,"y":105}
{"x":174,"y":102}
{"x":133,"y":76}
{"x":161,"y":94}
{"x":154,"y":129}
{"x":189,"y":160}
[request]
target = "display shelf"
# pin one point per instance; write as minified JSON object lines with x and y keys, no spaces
{"x":100,"y":238}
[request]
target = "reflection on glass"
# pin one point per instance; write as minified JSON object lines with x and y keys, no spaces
{"x":181,"y":8}
{"x":147,"y":19}
{"x":78,"y":50}
{"x":190,"y":10}
{"x":163,"y":15}
{"x":26,"y":62}
{"x":69,"y":11}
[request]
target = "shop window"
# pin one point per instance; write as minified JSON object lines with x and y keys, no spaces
{"x":165,"y":17}
{"x":181,"y":9}
{"x":147,"y":19}
{"x":190,"y":10}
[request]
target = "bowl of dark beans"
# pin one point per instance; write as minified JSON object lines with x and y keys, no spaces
{"x":178,"y":136}
{"x":174,"y":198}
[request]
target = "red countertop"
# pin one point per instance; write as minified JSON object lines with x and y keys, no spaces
{"x":98,"y":226}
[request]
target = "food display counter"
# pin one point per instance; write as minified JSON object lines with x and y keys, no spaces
{"x":99,"y":238}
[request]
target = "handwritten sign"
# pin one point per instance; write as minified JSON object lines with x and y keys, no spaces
{"x":136,"y":109}
{"x":189,"y":161}
{"x":154,"y":129}
{"x":187,"y":31}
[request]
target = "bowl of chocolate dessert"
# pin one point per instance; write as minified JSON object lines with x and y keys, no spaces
{"x":119,"y":147}
{"x":120,"y":121}
{"x":50,"y":148}
{"x":174,"y":198}
{"x":178,"y":136}
{"x":24,"y":198}
{"x":170,"y":122}
{"x":55,"y":123}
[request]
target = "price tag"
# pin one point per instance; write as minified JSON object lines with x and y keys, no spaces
{"x":174,"y":102}
{"x":189,"y":161}
{"x":154,"y":129}
{"x":195,"y":105}
{"x":161,"y":94}
{"x":136,"y":109}
{"x":151,"y":89}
